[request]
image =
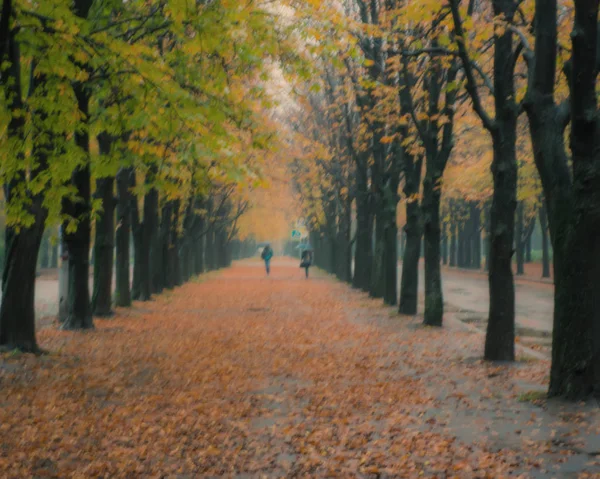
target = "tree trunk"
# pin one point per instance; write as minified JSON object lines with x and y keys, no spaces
{"x":174,"y":247}
{"x":434,"y":299}
{"x":444,"y":243}
{"x":519,"y":243}
{"x":63,"y":279}
{"x":545,"y":248}
{"x":186,"y":253}
{"x":78,"y":242}
{"x":468,"y":243}
{"x":409,"y":285}
{"x":143,"y":235}
{"x":139,"y":291}
{"x":17,"y":311}
{"x":364,"y":232}
{"x":152,"y":246}
{"x":165,"y":279}
{"x":460,"y":253}
{"x":573,"y":205}
{"x":499,"y":344}
{"x":390,"y":244}
{"x":185,"y":257}
{"x":199,"y":246}
{"x":332,"y":248}
{"x":210,"y":249}
{"x":104,"y":243}
{"x":476,"y":216}
{"x":377,"y":287}
{"x":54,"y":256}
{"x":44,"y":254}
{"x":453,"y":251}
{"x":487,"y":241}
{"x":500,"y":334}
{"x":345,"y":250}
{"x":122,"y":291}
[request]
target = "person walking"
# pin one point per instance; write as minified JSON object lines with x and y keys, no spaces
{"x":266,"y":255}
{"x":306,"y":260}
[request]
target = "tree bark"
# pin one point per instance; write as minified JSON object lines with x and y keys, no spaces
{"x":344,"y":251}
{"x":444,"y":243}
{"x":390,"y":242}
{"x":140,"y":260}
{"x":453,"y":245}
{"x":44,"y":253}
{"x":377,"y":286}
{"x":364,"y":232}
{"x":17,"y":311}
{"x":144,"y":233}
{"x":173,"y":251}
{"x":460,"y":251}
{"x":409,"y":287}
{"x":199,"y":246}
{"x":104,"y":243}
{"x":78,"y":242}
{"x":519,"y":233}
{"x":487,"y":242}
{"x":210,"y":258}
{"x":500,"y":335}
{"x":124,"y":198}
{"x":54,"y":256}
{"x":434,"y":299}
{"x":476,"y":216}
{"x":545,"y":248}
{"x":165,"y":278}
{"x":152,"y":247}
{"x":468,"y":242}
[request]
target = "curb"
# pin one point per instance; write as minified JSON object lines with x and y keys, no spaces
{"x":457,"y":323}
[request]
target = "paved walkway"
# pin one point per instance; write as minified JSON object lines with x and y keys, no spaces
{"x":468,"y":291}
{"x":242,"y":375}
{"x":465,"y":291}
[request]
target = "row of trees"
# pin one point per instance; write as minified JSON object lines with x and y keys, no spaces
{"x":138,"y":122}
{"x":397,"y":80}
{"x":465,"y":229}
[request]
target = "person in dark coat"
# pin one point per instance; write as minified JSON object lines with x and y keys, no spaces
{"x":266,"y":255}
{"x":306,"y":260}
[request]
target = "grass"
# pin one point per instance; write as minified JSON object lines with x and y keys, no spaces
{"x":534,"y":397}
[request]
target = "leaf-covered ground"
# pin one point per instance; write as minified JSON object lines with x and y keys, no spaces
{"x":240,"y":375}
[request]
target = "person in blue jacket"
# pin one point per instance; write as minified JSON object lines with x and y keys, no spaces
{"x":266,"y":255}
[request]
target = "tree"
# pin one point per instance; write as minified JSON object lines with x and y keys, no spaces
{"x":105,"y":237}
{"x":133,"y":75}
{"x":571,"y":190}
{"x":25,"y":176}
{"x":500,"y":335}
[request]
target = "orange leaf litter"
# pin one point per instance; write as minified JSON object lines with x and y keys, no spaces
{"x":240,"y":375}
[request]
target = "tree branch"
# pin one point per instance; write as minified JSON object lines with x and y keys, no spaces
{"x":488,"y":123}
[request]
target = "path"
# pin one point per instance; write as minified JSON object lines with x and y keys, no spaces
{"x":468,"y":291}
{"x":239,"y":375}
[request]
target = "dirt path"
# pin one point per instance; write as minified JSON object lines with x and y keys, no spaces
{"x":239,"y":375}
